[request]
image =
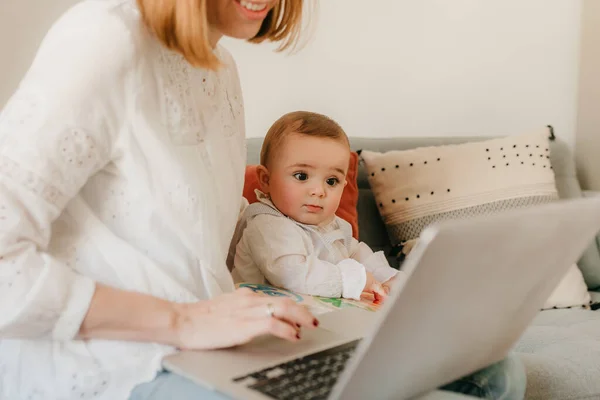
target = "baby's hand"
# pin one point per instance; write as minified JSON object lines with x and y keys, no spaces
{"x":387,"y":285}
{"x":373,"y":286}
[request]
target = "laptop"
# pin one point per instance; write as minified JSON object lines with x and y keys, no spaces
{"x":475,"y":286}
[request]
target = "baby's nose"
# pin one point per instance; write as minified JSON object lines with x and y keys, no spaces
{"x":318,"y":190}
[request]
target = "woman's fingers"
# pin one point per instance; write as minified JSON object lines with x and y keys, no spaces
{"x":244,"y":291}
{"x":236,"y":318}
{"x":283,"y":309}
{"x":273,"y":326}
{"x":237,"y":302}
{"x":289,"y":310}
{"x":247,"y":304}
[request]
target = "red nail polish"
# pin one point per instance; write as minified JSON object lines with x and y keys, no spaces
{"x":297,"y":336}
{"x":298,"y":326}
{"x":315,"y":322}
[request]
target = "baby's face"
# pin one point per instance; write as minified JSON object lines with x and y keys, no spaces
{"x":307,"y":176}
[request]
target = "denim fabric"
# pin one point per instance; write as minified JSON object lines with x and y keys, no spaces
{"x":169,"y":386}
{"x":502,"y":381}
{"x":505,"y":380}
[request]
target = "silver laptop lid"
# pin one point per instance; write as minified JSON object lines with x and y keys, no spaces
{"x":478,"y":284}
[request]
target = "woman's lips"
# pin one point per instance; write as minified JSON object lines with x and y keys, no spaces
{"x":254,"y":10}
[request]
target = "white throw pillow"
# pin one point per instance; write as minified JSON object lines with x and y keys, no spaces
{"x":570,"y":292}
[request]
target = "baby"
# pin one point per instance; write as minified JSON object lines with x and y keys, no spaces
{"x":292,"y":237}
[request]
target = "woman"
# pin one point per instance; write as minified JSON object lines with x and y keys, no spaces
{"x":122,"y":156}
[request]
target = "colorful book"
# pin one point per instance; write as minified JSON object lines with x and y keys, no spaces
{"x":316,"y":304}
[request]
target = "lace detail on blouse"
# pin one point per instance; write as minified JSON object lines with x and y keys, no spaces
{"x":27,"y":129}
{"x":182,"y":117}
{"x":14,"y":172}
{"x":188,"y":113}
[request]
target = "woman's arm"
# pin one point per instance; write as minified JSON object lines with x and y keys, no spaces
{"x":227,"y":320}
{"x":122,"y":315}
{"x":56,"y":131}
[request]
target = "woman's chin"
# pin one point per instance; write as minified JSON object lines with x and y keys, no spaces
{"x":243,"y":32}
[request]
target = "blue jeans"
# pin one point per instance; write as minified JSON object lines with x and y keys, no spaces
{"x":502,"y":381}
{"x":505,"y":380}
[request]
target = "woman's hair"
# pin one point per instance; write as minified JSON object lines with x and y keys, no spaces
{"x":302,"y":123}
{"x":182,"y":25}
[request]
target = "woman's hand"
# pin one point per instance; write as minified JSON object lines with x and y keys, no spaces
{"x":236,"y":318}
{"x":227,"y":320}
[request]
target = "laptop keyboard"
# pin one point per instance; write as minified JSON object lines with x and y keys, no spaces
{"x":310,"y":377}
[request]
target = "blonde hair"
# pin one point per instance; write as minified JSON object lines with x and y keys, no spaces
{"x":302,"y":123}
{"x":182,"y":25}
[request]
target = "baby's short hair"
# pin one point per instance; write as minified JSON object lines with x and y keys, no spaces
{"x":303,"y":123}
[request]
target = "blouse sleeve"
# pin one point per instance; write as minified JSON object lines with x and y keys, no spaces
{"x":237,"y":234}
{"x":56,"y":131}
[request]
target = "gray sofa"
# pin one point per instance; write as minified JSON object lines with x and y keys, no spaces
{"x":561,"y":348}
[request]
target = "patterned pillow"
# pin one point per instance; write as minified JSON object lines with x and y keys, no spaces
{"x":414,"y":188}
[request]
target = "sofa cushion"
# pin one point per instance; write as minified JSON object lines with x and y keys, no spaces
{"x":414,"y":188}
{"x":348,"y":209}
{"x":561,"y":350}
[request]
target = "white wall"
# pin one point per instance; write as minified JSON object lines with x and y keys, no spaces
{"x":587,"y":143}
{"x":23,"y":24}
{"x":390,"y":67}
{"x":424,"y":67}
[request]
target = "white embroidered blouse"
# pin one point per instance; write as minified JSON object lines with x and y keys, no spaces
{"x":122,"y":164}
{"x":317,"y":260}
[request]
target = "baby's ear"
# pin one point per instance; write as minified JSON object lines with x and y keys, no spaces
{"x":263,"y":178}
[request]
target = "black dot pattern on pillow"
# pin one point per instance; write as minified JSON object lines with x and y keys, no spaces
{"x":512,"y":155}
{"x":502,"y":153}
{"x":441,"y":180}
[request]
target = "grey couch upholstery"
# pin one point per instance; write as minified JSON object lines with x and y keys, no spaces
{"x":561,"y":348}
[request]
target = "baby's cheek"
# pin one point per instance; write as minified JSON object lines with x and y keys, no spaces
{"x":288,"y":197}
{"x":336,"y":198}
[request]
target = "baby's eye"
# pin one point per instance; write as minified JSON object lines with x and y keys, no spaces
{"x":332,"y":181}
{"x":301,"y":176}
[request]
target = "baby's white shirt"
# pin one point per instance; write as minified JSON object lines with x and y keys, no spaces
{"x":317,"y":260}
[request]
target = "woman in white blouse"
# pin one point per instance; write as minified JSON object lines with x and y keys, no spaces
{"x":122,"y":158}
{"x":121,"y":170}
